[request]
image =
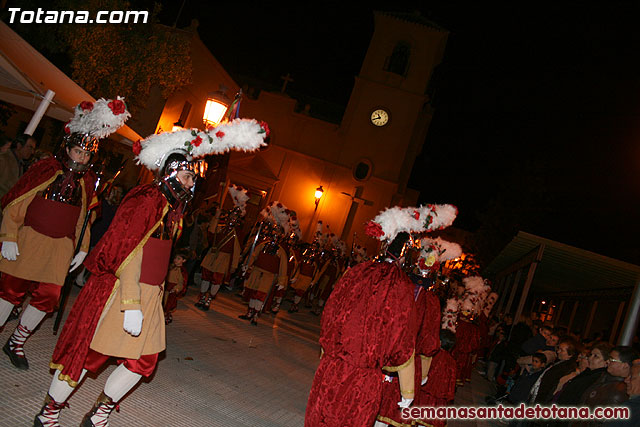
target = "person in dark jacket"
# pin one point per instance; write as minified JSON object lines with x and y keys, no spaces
{"x":633,"y":390}
{"x":542,"y":391}
{"x":571,"y":393}
{"x":609,"y":388}
{"x":521,"y":388}
{"x":537,"y":342}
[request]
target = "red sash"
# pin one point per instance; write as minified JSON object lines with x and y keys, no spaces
{"x":155,"y":261}
{"x":267,"y":262}
{"x":307,"y":269}
{"x":52,"y":218}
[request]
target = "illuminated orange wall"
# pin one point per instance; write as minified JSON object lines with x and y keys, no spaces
{"x":305,"y":152}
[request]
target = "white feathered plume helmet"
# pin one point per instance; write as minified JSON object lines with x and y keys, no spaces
{"x":277,"y":214}
{"x":475,"y":292}
{"x":450,"y":315}
{"x":359,"y":253}
{"x":92,"y":121}
{"x":239,"y":196}
{"x":239,"y":134}
{"x":413,"y":220}
{"x":294,"y":225}
{"x":434,"y":251}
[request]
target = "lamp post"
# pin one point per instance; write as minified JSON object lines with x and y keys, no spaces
{"x":215,"y":108}
{"x":318,"y":195}
{"x":177,"y":126}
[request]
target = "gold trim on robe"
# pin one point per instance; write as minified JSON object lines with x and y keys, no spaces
{"x":404,"y":365}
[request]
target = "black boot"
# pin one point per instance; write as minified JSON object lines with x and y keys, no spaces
{"x":201,"y":298}
{"x":248,"y":315}
{"x":14,"y":348}
{"x":102,"y":409}
{"x":207,"y":302}
{"x":49,"y":414}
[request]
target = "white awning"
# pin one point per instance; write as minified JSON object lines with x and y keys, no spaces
{"x":26,"y":75}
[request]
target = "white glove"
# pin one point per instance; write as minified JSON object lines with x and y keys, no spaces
{"x":424,"y":381}
{"x":132,"y":322}
{"x":77,"y":260}
{"x":405,"y":403}
{"x":10,"y":250}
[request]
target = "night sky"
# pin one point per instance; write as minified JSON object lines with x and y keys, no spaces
{"x":536,"y":104}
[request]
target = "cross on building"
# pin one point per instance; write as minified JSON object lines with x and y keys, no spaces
{"x":286,"y":79}
{"x":356,"y":199}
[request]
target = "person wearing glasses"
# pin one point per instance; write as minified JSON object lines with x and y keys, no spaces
{"x":633,"y":390}
{"x":609,"y":388}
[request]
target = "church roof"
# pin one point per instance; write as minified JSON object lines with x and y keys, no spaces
{"x":414,"y":17}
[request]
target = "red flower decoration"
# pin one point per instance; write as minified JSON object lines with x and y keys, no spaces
{"x":266,"y":129}
{"x":279,"y":205}
{"x":196,"y":142}
{"x":220,"y":134}
{"x":66,"y":128}
{"x":294,"y":218}
{"x":416,"y":214}
{"x":373,"y":229}
{"x":422,"y":264}
{"x":86,"y":105}
{"x":137,"y":147}
{"x":117,"y":107}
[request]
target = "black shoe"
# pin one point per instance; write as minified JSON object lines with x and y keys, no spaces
{"x":19,"y":362}
{"x":254,"y":321}
{"x":244,"y":317}
{"x":15,"y":313}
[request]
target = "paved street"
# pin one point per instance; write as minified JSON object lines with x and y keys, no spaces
{"x":218,"y":370}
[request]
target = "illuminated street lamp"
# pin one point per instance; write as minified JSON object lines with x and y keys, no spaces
{"x":318,"y":195}
{"x":215,"y":108}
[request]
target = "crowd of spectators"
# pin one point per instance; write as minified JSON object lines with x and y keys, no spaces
{"x":533,"y":363}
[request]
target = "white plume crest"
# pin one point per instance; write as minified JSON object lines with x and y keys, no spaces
{"x":239,"y":196}
{"x":414,"y":219}
{"x":239,"y":134}
{"x":98,"y":118}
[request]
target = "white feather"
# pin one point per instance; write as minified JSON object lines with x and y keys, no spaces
{"x":100,"y":122}
{"x":240,"y":134}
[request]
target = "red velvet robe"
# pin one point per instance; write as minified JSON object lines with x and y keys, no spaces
{"x":483,"y":334}
{"x":440,"y":388}
{"x":467,"y":342}
{"x":427,"y":343}
{"x":138,"y":215}
{"x":368,"y":323}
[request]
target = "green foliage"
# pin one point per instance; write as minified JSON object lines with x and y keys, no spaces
{"x":115,"y":59}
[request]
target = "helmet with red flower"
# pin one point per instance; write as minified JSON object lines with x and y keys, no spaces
{"x":433,"y":252}
{"x":395,"y":226}
{"x":176,"y":157}
{"x":91,"y":122}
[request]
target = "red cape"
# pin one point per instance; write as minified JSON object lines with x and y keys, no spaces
{"x":428,"y":341}
{"x":38,"y":174}
{"x":137,"y":215}
{"x":369,"y":322}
